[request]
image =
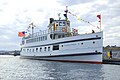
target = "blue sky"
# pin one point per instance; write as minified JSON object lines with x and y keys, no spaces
{"x":15,"y":16}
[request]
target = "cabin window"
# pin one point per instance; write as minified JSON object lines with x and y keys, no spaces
{"x":96,"y":35}
{"x":59,"y":36}
{"x":81,"y":43}
{"x":45,"y":37}
{"x":48,"y":48}
{"x":27,"y":50}
{"x":23,"y":50}
{"x":40,"y":49}
{"x":33,"y":50}
{"x":45,"y":48}
{"x":36,"y":49}
{"x":60,"y":23}
{"x":93,"y":42}
{"x":39,"y":39}
{"x":55,"y":47}
{"x":63,"y":23}
{"x":30,"y":50}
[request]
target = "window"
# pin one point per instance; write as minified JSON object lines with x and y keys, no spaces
{"x":48,"y":48}
{"x":27,"y":50}
{"x":36,"y":49}
{"x":45,"y":49}
{"x":93,"y":42}
{"x":60,"y":23}
{"x":81,"y":43}
{"x":45,"y":37}
{"x":96,"y":35}
{"x":33,"y":50}
{"x":30,"y":50}
{"x":63,"y":23}
{"x":39,"y":39}
{"x":55,"y":47}
{"x":40,"y":49}
{"x":23,"y":50}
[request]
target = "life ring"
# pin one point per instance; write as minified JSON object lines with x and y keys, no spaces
{"x":63,"y":29}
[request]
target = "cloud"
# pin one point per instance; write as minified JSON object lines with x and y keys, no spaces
{"x":17,"y":15}
{"x":71,"y":2}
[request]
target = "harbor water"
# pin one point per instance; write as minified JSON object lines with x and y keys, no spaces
{"x":14,"y":68}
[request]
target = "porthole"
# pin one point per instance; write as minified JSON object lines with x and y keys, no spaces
{"x":96,"y":35}
{"x":36,"y":49}
{"x":81,"y":43}
{"x":93,"y":42}
{"x":95,"y":50}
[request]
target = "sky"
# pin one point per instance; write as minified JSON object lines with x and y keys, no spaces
{"x":16,"y":15}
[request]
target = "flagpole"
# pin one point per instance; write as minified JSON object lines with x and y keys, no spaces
{"x":100,"y":22}
{"x":66,"y":11}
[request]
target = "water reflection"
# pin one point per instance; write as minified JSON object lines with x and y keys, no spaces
{"x":14,"y":68}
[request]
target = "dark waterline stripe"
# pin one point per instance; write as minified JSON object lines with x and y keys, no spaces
{"x":45,"y":58}
{"x":78,"y":54}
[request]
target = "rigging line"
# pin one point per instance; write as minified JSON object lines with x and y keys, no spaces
{"x":82,"y":19}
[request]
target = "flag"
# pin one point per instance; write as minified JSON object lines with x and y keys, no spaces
{"x":21,"y":34}
{"x":78,"y":18}
{"x":99,"y":16}
{"x":74,"y":30}
{"x":65,"y":15}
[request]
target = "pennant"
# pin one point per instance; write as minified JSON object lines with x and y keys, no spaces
{"x":65,"y":15}
{"x":21,"y":34}
{"x":99,"y":16}
{"x":78,"y":18}
{"x":74,"y":30}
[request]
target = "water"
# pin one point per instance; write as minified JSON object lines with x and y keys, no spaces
{"x":14,"y":68}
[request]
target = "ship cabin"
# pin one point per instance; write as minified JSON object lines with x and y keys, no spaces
{"x":56,"y":29}
{"x":59,"y":28}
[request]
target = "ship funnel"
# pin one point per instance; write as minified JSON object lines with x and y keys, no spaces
{"x":51,"y":20}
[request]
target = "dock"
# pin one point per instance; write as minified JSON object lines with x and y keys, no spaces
{"x":115,"y":61}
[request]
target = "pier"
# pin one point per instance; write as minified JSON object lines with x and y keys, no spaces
{"x":115,"y":57}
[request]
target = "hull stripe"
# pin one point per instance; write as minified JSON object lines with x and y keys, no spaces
{"x":80,"y":54}
{"x":45,"y":58}
{"x":66,"y":42}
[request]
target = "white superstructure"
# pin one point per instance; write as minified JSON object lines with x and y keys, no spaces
{"x":59,"y":43}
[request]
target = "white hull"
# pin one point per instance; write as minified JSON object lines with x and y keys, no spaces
{"x":92,"y":58}
{"x":81,"y":48}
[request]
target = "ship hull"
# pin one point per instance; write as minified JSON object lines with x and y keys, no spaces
{"x":95,"y":58}
{"x":86,"y":48}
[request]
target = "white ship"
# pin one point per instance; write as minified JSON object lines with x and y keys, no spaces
{"x":59,"y":43}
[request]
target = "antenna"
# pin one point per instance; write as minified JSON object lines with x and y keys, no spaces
{"x":32,"y":26}
{"x":66,"y":11}
{"x":59,"y":16}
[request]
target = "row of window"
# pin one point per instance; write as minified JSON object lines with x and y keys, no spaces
{"x":36,"y":49}
{"x":62,"y":23}
{"x":40,"y":49}
{"x":55,"y":47}
{"x":36,"y":39}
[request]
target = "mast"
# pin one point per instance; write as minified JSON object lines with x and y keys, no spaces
{"x":32,"y":26}
{"x":66,"y":11}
